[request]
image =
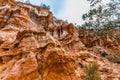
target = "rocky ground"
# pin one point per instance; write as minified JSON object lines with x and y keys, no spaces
{"x":34,"y":45}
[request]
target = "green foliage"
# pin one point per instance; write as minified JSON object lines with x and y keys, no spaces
{"x":109,"y":57}
{"x":94,"y":2}
{"x":66,"y":21}
{"x":27,"y":1}
{"x":114,"y":57}
{"x":91,"y":71}
{"x":45,"y":6}
{"x":118,"y":38}
{"x":102,"y":16}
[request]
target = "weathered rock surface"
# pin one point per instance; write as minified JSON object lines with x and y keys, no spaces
{"x":36,"y":46}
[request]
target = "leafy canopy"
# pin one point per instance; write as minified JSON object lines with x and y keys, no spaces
{"x":102,"y":16}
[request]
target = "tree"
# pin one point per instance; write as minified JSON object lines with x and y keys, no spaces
{"x":102,"y":16}
{"x":94,"y":2}
{"x":45,"y":6}
{"x":27,"y":1}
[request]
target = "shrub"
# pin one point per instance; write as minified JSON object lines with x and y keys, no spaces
{"x":114,"y":57}
{"x":45,"y":6}
{"x":27,"y":1}
{"x":91,"y":71}
{"x":118,"y":38}
{"x":109,"y":57}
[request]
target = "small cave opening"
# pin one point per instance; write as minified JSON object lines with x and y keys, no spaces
{"x":6,"y":48}
{"x":16,"y":45}
{"x":1,"y":60}
{"x":1,"y":42}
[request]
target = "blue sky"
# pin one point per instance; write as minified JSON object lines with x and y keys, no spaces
{"x":70,"y":10}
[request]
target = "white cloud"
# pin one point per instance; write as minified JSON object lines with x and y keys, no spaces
{"x":73,"y":10}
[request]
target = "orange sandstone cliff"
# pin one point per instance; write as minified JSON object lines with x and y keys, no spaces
{"x":36,"y":46}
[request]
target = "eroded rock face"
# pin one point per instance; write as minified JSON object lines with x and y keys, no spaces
{"x":36,"y":46}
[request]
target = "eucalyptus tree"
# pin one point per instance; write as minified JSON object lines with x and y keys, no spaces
{"x":102,"y":16}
